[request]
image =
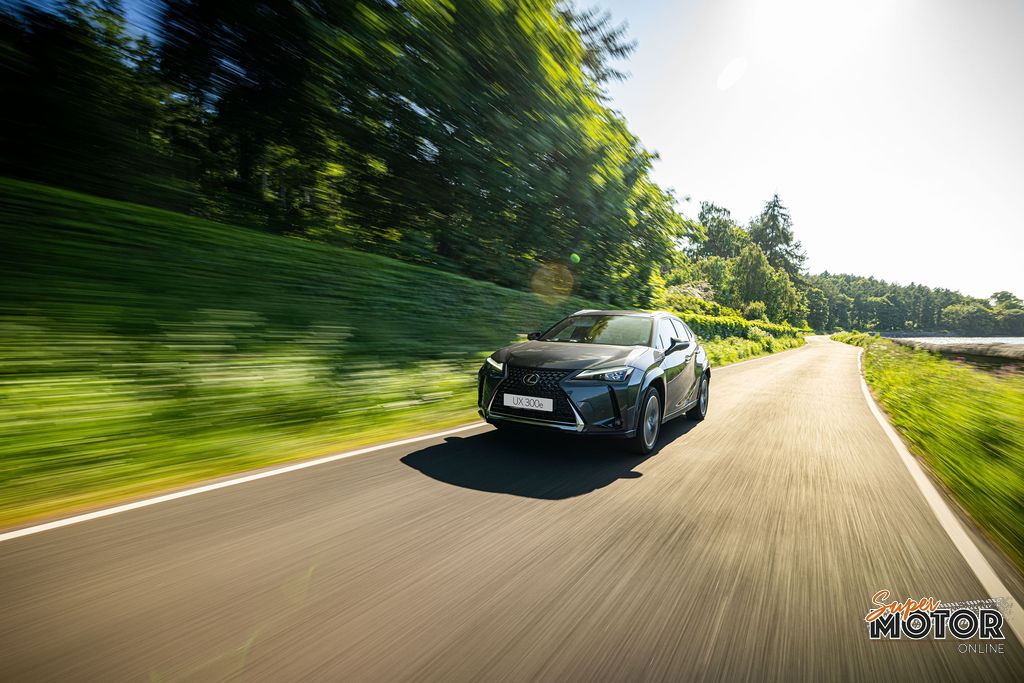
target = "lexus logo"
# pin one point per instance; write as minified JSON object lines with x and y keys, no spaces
{"x":531,"y":379}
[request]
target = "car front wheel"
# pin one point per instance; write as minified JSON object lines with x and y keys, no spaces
{"x":649,"y":426}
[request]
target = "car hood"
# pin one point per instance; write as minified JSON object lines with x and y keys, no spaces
{"x":568,"y":355}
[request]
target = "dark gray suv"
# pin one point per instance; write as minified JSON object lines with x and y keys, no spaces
{"x":609,"y":373}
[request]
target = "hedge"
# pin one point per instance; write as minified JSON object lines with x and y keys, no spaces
{"x":710,"y":326}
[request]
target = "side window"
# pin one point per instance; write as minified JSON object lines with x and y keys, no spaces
{"x":682,"y":331}
{"x":665,"y":334}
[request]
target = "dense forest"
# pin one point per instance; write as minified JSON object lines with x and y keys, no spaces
{"x":475,"y":137}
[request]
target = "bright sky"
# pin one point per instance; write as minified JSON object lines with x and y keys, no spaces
{"x":892,"y":129}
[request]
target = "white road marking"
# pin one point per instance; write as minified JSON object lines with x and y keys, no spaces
{"x":56,"y":524}
{"x":989,"y":580}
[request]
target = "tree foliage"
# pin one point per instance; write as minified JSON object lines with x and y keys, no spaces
{"x":772,"y":230}
{"x":866,"y":303}
{"x":603,"y":42}
{"x":470,"y":136}
{"x":467,"y":135}
{"x":720,"y":236}
{"x":817,"y":309}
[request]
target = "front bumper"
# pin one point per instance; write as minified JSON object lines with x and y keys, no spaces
{"x":580,"y":407}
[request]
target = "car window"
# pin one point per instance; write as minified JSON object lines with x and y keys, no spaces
{"x":665,"y":334}
{"x":617,"y":330}
{"x":682,"y":331}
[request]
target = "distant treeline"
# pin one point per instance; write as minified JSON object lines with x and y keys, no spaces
{"x":864,"y":303}
{"x":758,"y":269}
{"x":470,"y":136}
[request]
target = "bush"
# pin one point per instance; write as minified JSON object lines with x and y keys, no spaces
{"x":679,"y":300}
{"x":755,"y":310}
{"x":734,"y":349}
{"x":855,"y":338}
{"x":710,"y":327}
{"x":757,"y":334}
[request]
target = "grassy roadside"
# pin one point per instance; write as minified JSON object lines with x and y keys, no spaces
{"x":966,"y":424}
{"x":723,"y":351}
{"x":142,"y":349}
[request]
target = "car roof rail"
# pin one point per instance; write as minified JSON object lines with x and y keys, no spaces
{"x":614,"y":311}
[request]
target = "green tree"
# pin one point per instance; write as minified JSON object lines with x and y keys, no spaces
{"x":1005,"y":300}
{"x":840,"y":307}
{"x":753,"y":276}
{"x":755,"y":310}
{"x":259,"y":70}
{"x":969,"y":318}
{"x":772,"y":230}
{"x":1010,"y":322}
{"x":720,"y":236}
{"x":718,"y":273}
{"x":469,"y":135}
{"x":883,"y":314}
{"x":80,"y":110}
{"x":817,"y":309}
{"x":786,"y":303}
{"x":603,"y":42}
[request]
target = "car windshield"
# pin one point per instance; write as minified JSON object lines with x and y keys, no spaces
{"x":617,"y":330}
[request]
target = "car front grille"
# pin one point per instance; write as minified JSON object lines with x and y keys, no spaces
{"x":547,"y":386}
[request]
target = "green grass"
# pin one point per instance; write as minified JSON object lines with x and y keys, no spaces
{"x":966,"y":424}
{"x":142,"y":349}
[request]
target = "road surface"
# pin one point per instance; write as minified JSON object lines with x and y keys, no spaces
{"x":747,"y":547}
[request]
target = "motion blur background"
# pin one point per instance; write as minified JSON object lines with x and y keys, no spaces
{"x":233,"y":233}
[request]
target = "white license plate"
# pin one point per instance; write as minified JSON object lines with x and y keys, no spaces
{"x":529,"y":402}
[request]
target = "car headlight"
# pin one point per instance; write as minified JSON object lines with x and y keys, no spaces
{"x":495,"y":368}
{"x":619,"y":374}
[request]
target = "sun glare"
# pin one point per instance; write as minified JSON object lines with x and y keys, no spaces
{"x":799,"y":42}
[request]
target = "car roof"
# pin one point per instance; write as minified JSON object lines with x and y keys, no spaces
{"x":641,"y":314}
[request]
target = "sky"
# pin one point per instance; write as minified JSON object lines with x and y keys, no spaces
{"x":892,"y":129}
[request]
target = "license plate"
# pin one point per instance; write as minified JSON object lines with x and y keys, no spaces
{"x":529,"y":402}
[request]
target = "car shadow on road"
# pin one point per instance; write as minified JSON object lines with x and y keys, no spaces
{"x":535,"y":464}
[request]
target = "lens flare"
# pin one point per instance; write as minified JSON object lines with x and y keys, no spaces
{"x":732,"y":73}
{"x":552,"y":281}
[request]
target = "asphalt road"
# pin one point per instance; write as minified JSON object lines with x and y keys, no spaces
{"x":747,"y":547}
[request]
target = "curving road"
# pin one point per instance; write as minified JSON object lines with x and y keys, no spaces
{"x":747,"y":547}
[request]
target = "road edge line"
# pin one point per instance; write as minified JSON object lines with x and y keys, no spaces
{"x":947,"y":519}
{"x":195,"y":490}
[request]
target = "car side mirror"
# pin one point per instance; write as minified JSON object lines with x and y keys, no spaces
{"x":532,"y":335}
{"x":678,"y":345}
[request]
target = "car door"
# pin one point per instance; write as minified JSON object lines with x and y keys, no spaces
{"x":690,"y":370}
{"x":674,"y":366}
